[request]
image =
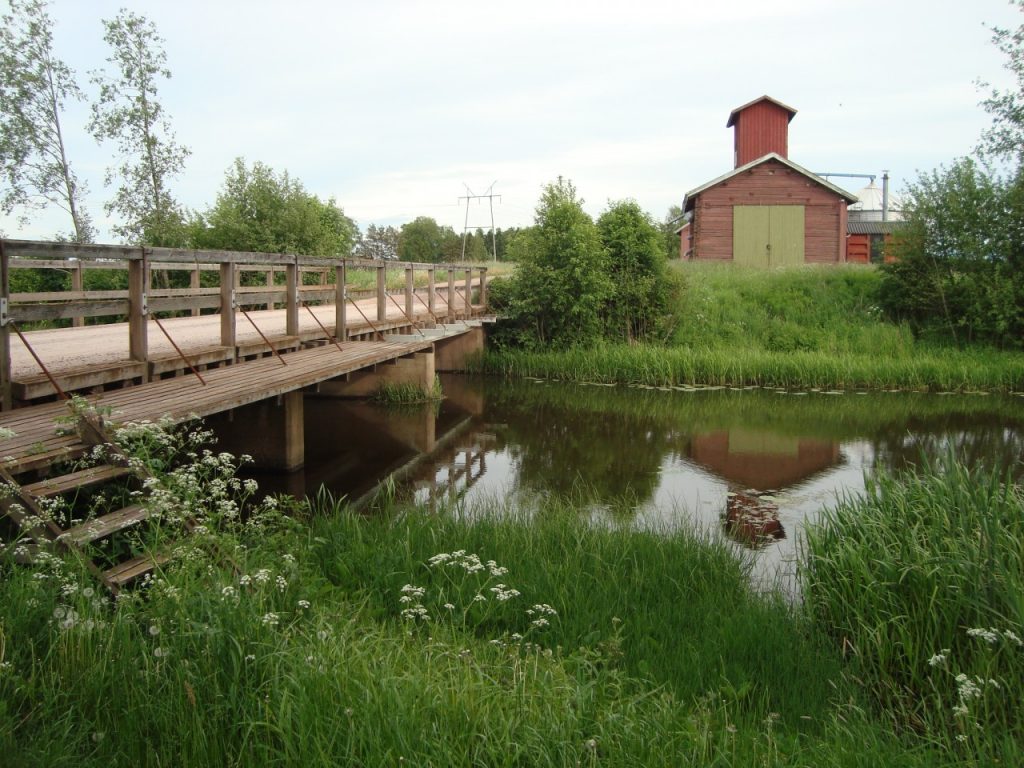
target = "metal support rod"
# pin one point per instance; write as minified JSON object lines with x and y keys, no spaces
{"x":326,"y":332}
{"x":467,"y":306}
{"x":56,"y":386}
{"x":265,"y":339}
{"x":368,"y":321}
{"x":178,"y":350}
{"x":429,"y":312}
{"x":406,"y":315}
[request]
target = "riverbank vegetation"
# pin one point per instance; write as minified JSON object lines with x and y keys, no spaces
{"x":488,"y":636}
{"x":808,"y":327}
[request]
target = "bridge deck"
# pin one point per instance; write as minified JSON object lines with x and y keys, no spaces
{"x":37,"y":440}
{"x":69,"y":349}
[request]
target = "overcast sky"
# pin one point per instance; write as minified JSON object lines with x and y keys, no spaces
{"x":391,"y":107}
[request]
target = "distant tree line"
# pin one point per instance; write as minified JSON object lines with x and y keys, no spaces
{"x":424,"y":240}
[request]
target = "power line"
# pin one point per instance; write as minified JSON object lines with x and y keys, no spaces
{"x":489,"y":196}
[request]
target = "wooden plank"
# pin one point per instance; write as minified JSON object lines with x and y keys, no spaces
{"x":28,"y":313}
{"x":130,"y":570}
{"x":98,"y":528}
{"x":84,"y":478}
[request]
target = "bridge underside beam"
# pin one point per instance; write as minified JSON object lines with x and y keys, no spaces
{"x":416,"y":369}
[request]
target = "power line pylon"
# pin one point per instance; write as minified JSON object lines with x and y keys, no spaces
{"x":489,"y":196}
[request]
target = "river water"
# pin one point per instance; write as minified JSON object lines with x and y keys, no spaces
{"x":754,"y":465}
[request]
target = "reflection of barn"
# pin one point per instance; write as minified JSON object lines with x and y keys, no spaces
{"x":761,"y":460}
{"x":755,"y":461}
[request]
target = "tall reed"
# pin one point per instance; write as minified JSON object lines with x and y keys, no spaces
{"x":948,"y":371}
{"x":921,"y":583}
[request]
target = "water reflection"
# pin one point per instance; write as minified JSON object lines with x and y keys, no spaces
{"x":754,"y":464}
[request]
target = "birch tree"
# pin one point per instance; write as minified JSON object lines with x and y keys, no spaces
{"x":35,"y":87}
{"x":129,"y":113}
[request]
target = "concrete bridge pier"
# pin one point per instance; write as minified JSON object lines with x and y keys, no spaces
{"x":454,"y":352}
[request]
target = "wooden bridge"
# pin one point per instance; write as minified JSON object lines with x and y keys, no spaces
{"x":202,"y":332}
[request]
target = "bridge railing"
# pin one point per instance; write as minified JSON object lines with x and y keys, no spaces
{"x":216,"y":285}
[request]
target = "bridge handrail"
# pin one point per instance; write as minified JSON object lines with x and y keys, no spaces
{"x":141,"y":299}
{"x":187,"y":258}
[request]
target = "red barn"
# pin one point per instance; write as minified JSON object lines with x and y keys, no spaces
{"x":767,"y":211}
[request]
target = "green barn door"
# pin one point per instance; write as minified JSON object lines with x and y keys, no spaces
{"x":751,"y":225}
{"x":768,"y":235}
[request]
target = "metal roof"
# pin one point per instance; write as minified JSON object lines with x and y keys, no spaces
{"x":776,"y":102}
{"x":873,"y":227}
{"x":688,"y":200}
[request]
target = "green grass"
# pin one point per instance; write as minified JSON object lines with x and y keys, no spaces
{"x":812,"y":309}
{"x":407,"y":393}
{"x":945,"y":371}
{"x":657,"y":654}
{"x":921,"y":580}
{"x":790,"y":328}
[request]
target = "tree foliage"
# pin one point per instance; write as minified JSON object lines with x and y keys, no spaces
{"x":960,"y":255}
{"x":558,"y":293}
{"x":421,"y":240}
{"x":635,"y":245}
{"x":669,"y":226}
{"x":1006,"y":136}
{"x":35,"y":86}
{"x":960,"y":268}
{"x":129,"y":113}
{"x":379,"y":243}
{"x":260,"y":210}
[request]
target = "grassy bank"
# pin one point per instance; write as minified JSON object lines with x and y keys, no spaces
{"x":798,"y":328}
{"x":941,"y":371}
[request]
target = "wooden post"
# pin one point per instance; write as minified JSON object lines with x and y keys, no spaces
{"x":382,"y":296}
{"x":431,"y":290}
{"x":77,"y":284}
{"x":227,"y":304}
{"x":410,"y":310}
{"x":195,"y":283}
{"x":138,"y":311}
{"x":6,"y":401}
{"x":270,"y":285}
{"x":340,"y":303}
{"x":483,"y":287}
{"x":469,"y":292}
{"x":292,"y":307}
{"x":451,"y":294}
